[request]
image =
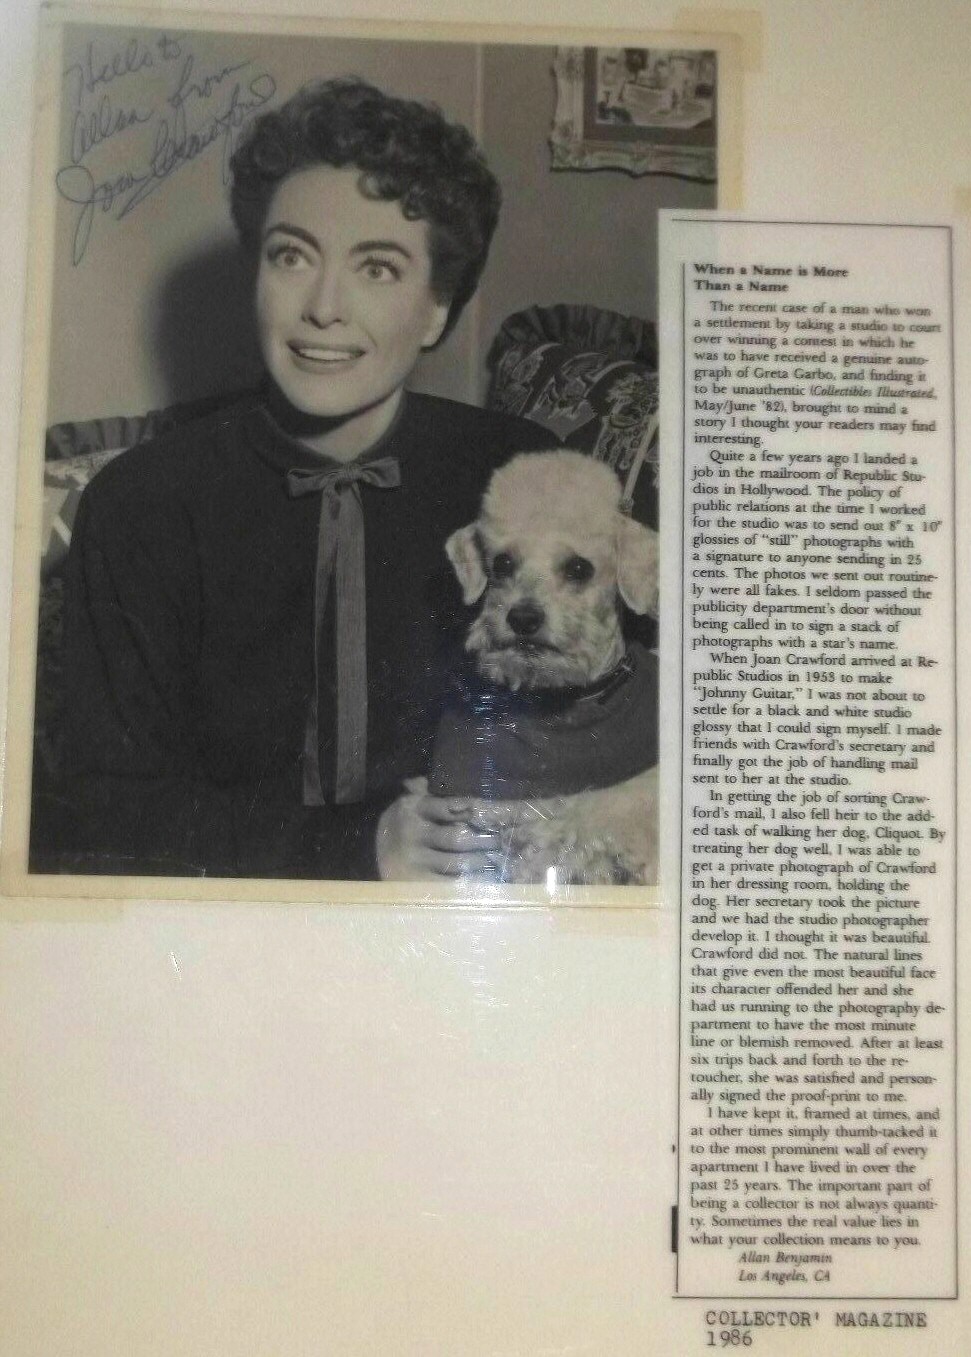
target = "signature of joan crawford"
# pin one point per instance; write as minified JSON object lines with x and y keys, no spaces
{"x":175,"y":142}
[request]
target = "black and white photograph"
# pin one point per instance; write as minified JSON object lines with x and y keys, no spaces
{"x":345,"y":565}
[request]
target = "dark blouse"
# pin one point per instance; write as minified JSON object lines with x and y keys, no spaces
{"x":189,"y":644}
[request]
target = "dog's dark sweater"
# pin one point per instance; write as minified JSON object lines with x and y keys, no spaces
{"x":502,"y":745}
{"x":189,"y":649}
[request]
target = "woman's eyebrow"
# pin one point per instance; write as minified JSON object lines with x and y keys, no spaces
{"x":365,"y":246}
{"x":290,"y":230}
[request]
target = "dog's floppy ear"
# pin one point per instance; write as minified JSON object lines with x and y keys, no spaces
{"x":462,"y":549}
{"x":637,"y":566}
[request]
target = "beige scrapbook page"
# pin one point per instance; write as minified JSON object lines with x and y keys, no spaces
{"x":483,"y":794}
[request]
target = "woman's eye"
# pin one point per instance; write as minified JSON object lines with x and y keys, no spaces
{"x":578,"y":569}
{"x":380,"y":271}
{"x":286,"y":256}
{"x":503,"y":565}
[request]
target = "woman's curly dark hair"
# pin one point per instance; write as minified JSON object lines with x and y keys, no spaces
{"x":406,"y":151}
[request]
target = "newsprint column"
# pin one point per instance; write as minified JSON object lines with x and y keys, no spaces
{"x":811,"y":400}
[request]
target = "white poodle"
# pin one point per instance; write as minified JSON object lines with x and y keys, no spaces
{"x":558,"y":724}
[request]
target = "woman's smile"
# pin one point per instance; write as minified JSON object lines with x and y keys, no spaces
{"x":344,"y":303}
{"x":312,"y":357}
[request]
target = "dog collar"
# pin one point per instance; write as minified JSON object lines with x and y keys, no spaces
{"x":484,"y":695}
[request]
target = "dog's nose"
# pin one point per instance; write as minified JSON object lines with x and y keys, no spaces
{"x":525,"y":619}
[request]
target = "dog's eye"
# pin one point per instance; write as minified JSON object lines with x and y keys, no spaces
{"x":578,"y":569}
{"x":503,"y":565}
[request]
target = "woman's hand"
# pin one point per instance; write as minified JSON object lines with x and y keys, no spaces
{"x":425,"y":838}
{"x":594,"y":837}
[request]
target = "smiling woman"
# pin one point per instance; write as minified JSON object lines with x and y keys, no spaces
{"x":344,"y":304}
{"x":257,"y":602}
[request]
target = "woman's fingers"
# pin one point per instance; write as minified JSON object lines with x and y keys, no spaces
{"x":449,"y":845}
{"x":487,"y":816}
{"x":424,"y":835}
{"x":449,"y":826}
{"x":441,"y":810}
{"x":500,"y":815}
{"x":458,"y":838}
{"x":482,"y":866}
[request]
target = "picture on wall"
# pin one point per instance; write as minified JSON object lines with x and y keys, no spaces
{"x":647,"y":110}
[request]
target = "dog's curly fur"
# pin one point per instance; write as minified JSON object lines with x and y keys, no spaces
{"x":550,"y":557}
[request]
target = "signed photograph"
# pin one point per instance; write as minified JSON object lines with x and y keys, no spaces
{"x":337,"y":505}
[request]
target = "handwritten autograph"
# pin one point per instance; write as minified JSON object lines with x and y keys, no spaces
{"x":179,"y":137}
{"x":92,"y":73}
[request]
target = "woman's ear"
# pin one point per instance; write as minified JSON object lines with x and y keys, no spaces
{"x":462,"y":549}
{"x":436,"y":326}
{"x":637,"y":566}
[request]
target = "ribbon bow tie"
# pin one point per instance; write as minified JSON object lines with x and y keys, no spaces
{"x":340,"y":551}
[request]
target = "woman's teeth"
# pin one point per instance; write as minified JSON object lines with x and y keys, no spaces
{"x":327,"y":355}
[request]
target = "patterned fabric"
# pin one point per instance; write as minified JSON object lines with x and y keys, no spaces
{"x":77,"y":438}
{"x":63,"y":483}
{"x":583,"y":327}
{"x":601,"y":400}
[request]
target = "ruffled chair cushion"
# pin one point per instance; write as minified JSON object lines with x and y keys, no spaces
{"x":581,"y":327}
{"x":590,"y":377}
{"x":64,"y":482}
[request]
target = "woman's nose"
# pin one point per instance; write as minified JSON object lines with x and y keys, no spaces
{"x":323,"y":304}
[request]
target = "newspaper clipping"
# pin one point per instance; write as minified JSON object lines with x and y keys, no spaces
{"x":809,"y":369}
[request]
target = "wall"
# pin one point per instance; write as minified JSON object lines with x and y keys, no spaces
{"x":565,"y":236}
